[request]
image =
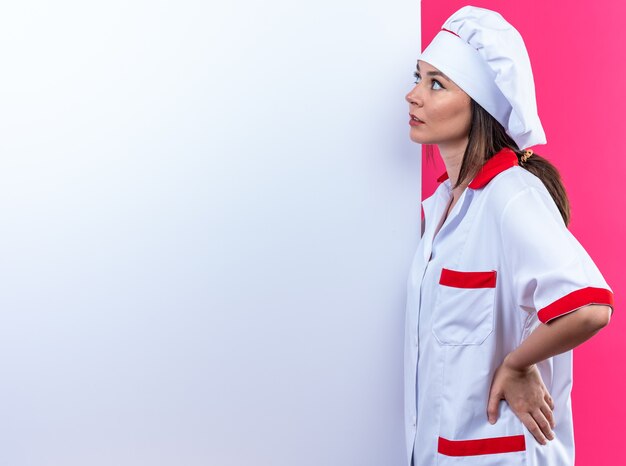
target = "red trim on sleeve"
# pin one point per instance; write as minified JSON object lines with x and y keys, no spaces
{"x":483,"y":446}
{"x":574,"y":300}
{"x":458,"y":279}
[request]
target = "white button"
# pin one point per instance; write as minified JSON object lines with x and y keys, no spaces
{"x":415,"y":340}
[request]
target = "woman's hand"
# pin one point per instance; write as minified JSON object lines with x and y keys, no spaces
{"x":527,"y":396}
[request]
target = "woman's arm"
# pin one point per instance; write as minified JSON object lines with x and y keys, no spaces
{"x":518,"y":381}
{"x":559,"y":335}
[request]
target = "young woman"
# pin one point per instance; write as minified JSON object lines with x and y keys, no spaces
{"x":499,"y":290}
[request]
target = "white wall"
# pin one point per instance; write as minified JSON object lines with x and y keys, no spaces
{"x":208,"y":214}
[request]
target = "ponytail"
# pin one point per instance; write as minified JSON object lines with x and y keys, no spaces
{"x":487,"y":137}
{"x":551,"y":178}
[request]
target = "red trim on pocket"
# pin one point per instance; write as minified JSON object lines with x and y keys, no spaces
{"x":575,"y":300}
{"x":458,"y":279}
{"x":483,"y":446}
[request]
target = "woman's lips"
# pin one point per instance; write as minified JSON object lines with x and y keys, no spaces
{"x":414,"y":121}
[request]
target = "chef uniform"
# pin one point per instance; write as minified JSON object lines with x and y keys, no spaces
{"x":481,"y":281}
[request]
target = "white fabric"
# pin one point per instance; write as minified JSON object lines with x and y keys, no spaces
{"x":510,"y":226}
{"x":489,"y":61}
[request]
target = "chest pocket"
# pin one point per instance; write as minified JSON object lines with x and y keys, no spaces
{"x":463,"y":312}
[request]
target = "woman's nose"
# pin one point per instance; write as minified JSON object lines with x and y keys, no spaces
{"x":414,"y":96}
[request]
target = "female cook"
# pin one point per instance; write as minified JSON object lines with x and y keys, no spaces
{"x":499,"y":290}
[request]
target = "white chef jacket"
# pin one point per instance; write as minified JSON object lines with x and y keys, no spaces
{"x":502,"y":262}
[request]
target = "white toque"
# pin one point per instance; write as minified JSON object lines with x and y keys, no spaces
{"x":486,"y":57}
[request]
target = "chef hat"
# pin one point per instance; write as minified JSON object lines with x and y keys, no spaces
{"x":486,"y":57}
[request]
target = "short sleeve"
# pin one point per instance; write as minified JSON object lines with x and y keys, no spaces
{"x":551,"y":273}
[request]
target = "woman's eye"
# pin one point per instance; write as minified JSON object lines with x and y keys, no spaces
{"x":434,"y":84}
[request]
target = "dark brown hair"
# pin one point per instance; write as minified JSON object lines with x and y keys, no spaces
{"x":487,"y":137}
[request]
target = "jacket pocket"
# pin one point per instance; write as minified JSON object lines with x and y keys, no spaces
{"x":483,"y":446}
{"x":492,"y":451}
{"x":464,"y":440}
{"x":463,"y":313}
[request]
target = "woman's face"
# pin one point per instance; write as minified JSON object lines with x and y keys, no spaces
{"x":442,"y":107}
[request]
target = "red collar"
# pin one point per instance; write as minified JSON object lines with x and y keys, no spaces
{"x":503,"y":160}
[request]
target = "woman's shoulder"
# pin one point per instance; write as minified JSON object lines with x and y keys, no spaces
{"x":514,"y":180}
{"x":518,"y":189}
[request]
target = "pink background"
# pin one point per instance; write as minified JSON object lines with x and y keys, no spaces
{"x":576,"y":49}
